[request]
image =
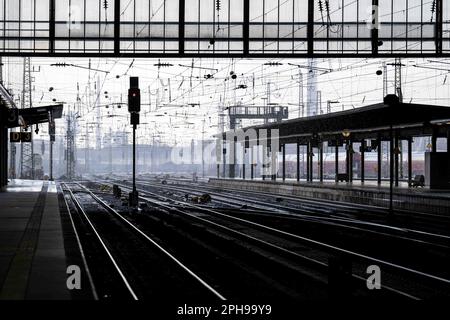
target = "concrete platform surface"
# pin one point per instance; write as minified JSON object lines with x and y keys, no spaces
{"x":32,"y":255}
{"x":421,"y":200}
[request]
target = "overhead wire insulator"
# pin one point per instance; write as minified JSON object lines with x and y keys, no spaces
{"x":218,"y":5}
{"x":327,"y":8}
{"x":273,"y":64}
{"x":433,"y":9}
{"x":321,"y":10}
{"x":105,"y":4}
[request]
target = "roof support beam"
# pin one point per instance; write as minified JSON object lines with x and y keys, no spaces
{"x":246,"y":28}
{"x":5,"y":96}
{"x":439,"y":26}
{"x":374,"y":31}
{"x":116,"y":27}
{"x":181,"y":24}
{"x":52,"y":26}
{"x":310,"y":34}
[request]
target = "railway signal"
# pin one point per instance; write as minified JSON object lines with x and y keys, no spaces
{"x":134,"y":107}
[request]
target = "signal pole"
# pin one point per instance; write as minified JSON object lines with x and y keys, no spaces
{"x":134,"y":107}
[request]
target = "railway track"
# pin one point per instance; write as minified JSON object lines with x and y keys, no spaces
{"x":398,"y":280}
{"x":321,"y":215}
{"x":128,"y":263}
{"x":343,"y":209}
{"x":241,"y":270}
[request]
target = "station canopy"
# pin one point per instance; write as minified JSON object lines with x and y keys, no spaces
{"x":366,"y":122}
{"x":214,"y":28}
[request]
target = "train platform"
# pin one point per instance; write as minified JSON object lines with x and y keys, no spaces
{"x":33,"y":259}
{"x":422,"y":200}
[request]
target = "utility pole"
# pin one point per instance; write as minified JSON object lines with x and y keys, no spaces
{"x":312,"y":88}
{"x":319,"y":102}
{"x":266,"y":111}
{"x":86,"y":150}
{"x":301,"y":103}
{"x":98,"y":132}
{"x":70,"y":147}
{"x":26,"y":149}
{"x":398,"y":79}
{"x":398,"y":91}
{"x":385,"y":80}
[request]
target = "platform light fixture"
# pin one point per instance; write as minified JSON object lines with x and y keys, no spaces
{"x":346,"y":133}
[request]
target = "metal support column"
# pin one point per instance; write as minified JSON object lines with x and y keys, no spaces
{"x":350,"y":162}
{"x":391,"y":170}
{"x":311,"y":164}
{"x":308,"y":162}
{"x":243,"y":162}
{"x":264,"y":162}
{"x":321,"y":161}
{"x":396,"y":159}
{"x":434,"y":141}
{"x":363,"y":161}
{"x":3,"y":157}
{"x":224,"y":160}
{"x":232,"y":173}
{"x":298,"y":161}
{"x":51,"y":161}
{"x":347,"y":160}
{"x":448,"y":139}
{"x":379,"y":154}
{"x":273,"y":163}
{"x":336,"y":161}
{"x":284,"y":162}
{"x":252,"y":162}
{"x":410,"y":141}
